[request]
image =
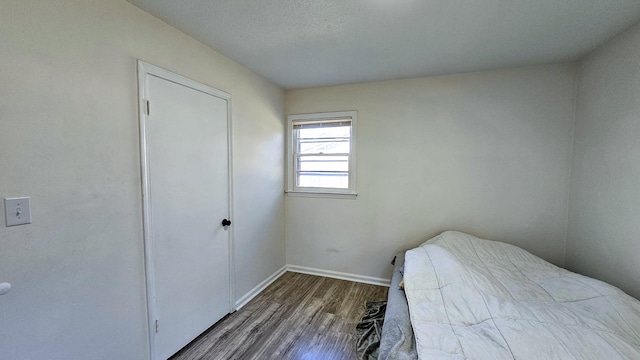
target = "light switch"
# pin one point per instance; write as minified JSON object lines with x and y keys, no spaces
{"x":17,"y":211}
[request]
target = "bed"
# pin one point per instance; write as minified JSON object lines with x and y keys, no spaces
{"x":469,"y":298}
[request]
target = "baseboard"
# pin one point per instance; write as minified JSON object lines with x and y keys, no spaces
{"x":311,"y":271}
{"x":339,"y":275}
{"x":259,"y":288}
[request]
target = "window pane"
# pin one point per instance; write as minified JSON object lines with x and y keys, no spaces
{"x":328,"y":132}
{"x":323,"y":180}
{"x":325,"y":146}
{"x":323,"y":163}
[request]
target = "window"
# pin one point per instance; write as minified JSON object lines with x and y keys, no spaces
{"x":321,"y":154}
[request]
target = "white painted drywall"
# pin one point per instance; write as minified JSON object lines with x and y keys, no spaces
{"x":69,"y":139}
{"x":604,"y":222}
{"x":487,"y":153}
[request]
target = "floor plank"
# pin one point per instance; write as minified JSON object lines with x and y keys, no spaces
{"x":298,"y":317}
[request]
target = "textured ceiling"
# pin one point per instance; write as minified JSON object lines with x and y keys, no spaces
{"x":304,"y":43}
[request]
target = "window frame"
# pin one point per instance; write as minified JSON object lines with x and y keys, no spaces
{"x":291,"y":188}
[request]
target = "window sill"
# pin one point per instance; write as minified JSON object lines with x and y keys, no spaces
{"x":327,"y":195}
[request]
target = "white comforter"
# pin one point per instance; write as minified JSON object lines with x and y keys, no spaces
{"x":478,"y":299}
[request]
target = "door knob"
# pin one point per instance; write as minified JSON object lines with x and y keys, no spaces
{"x":226,"y":222}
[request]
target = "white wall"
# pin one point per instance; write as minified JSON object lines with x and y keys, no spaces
{"x":604,"y":223}
{"x":69,"y":139}
{"x":487,"y":153}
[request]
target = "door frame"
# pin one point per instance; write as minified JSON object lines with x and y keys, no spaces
{"x":145,"y":70}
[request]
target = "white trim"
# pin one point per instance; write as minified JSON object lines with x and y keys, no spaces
{"x":232,"y":258}
{"x":322,"y":195}
{"x":259,"y":288}
{"x":339,"y":275}
{"x":145,"y":70}
{"x":181,"y":80}
{"x":290,"y":142}
{"x":146,"y":208}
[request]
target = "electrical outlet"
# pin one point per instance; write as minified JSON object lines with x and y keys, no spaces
{"x":17,"y":211}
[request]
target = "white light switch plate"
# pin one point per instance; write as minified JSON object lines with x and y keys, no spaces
{"x":17,"y":211}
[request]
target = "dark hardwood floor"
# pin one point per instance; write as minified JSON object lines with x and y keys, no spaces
{"x":299,"y":316}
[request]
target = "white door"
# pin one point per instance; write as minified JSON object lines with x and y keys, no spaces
{"x":187,"y":189}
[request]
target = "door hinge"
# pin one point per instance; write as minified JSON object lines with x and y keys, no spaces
{"x":148,"y":107}
{"x":156,"y":326}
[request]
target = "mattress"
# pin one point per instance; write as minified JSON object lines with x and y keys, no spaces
{"x":397,"y":342}
{"x":478,"y":299}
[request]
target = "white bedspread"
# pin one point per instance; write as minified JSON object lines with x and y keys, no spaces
{"x":478,"y":299}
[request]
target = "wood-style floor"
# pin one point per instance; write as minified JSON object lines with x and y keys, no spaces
{"x":299,"y":316}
